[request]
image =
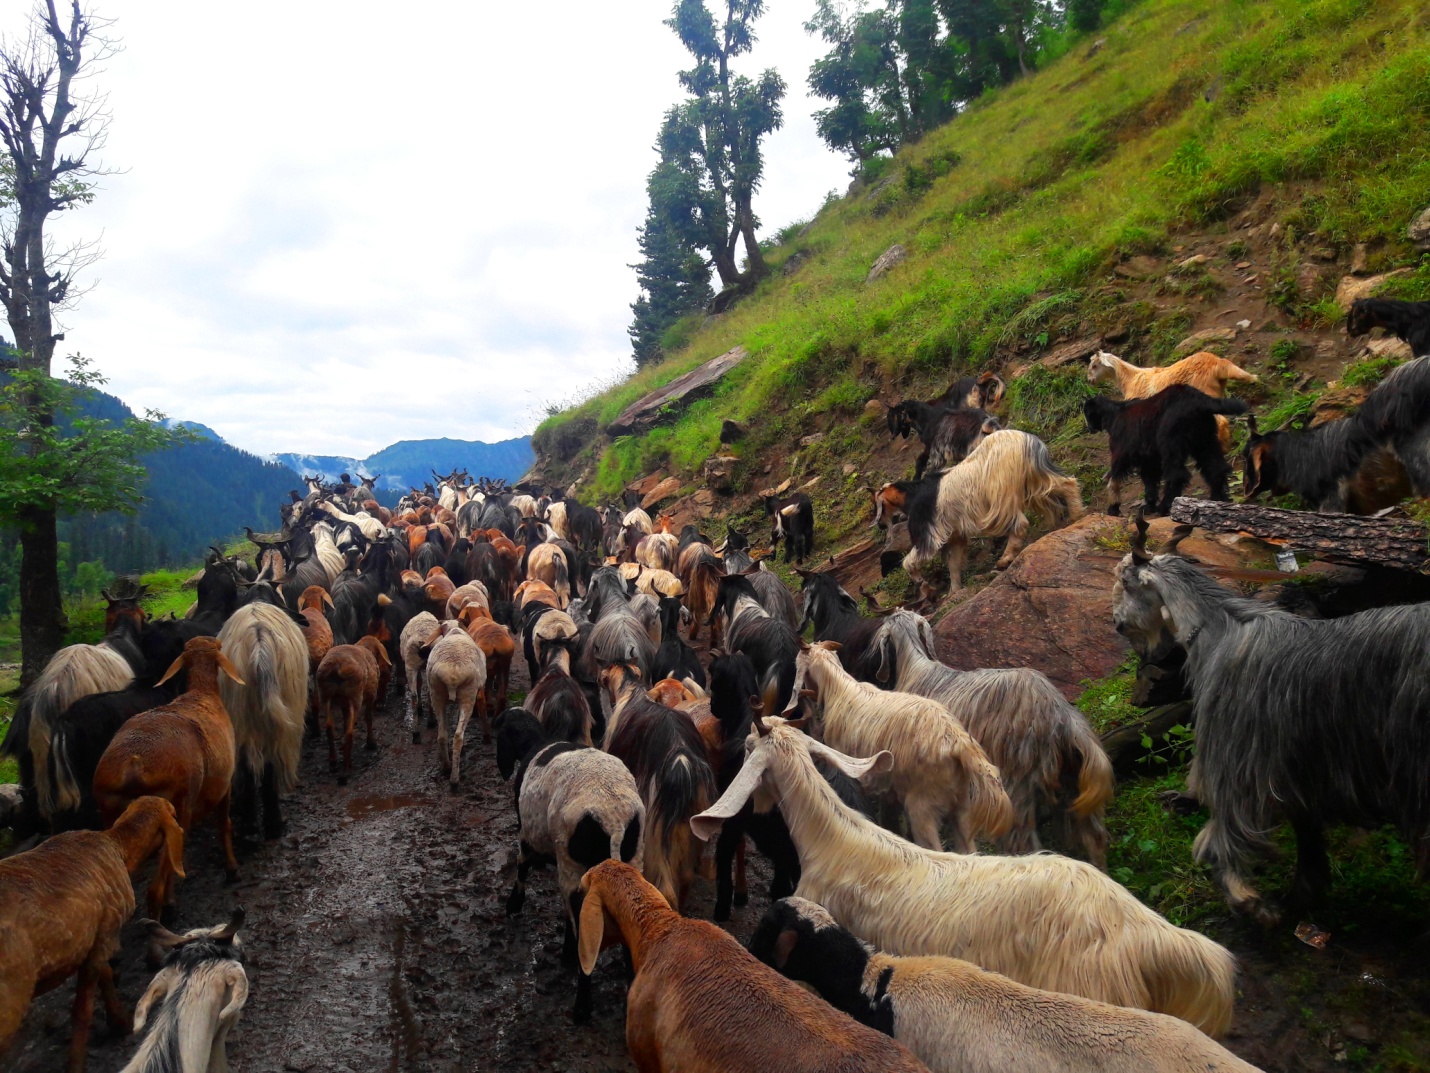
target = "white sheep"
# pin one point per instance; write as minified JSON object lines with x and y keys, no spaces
{"x":1044,"y":920}
{"x":414,"y":635}
{"x":456,"y":675}
{"x":576,"y":806}
{"x":939,"y":771}
{"x":959,"y":1018}
{"x":200,"y":993}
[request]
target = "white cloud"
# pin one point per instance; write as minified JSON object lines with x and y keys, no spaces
{"x":342,"y":225}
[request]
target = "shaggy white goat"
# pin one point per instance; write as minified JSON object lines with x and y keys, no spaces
{"x":640,"y":519}
{"x":959,"y":1018}
{"x":1043,"y":920}
{"x":370,"y":527}
{"x":939,"y":771}
{"x":547,"y":563}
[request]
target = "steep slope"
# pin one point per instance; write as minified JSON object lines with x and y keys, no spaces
{"x":411,"y":462}
{"x":1266,"y":140}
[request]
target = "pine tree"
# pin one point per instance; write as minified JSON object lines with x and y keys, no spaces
{"x":674,"y":281}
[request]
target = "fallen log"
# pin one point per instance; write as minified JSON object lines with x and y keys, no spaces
{"x":1397,"y":542}
{"x":1128,"y":746}
{"x":650,"y":410}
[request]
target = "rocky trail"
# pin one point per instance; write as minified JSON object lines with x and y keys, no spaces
{"x":377,"y":940}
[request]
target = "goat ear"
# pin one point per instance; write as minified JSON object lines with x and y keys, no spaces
{"x":784,"y":947}
{"x":883,"y":672}
{"x":854,"y":768}
{"x":229,"y":669}
{"x":592,"y":930}
{"x":174,"y":668}
{"x":328,"y":599}
{"x":829,"y":646}
{"x":708,"y":823}
{"x":174,"y":844}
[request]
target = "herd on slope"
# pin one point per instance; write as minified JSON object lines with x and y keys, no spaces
{"x":632,"y":748}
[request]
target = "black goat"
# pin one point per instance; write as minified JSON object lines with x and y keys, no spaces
{"x":835,"y":615}
{"x":791,"y":519}
{"x":947,"y":434}
{"x":456,"y":564}
{"x":674,"y":658}
{"x":583,"y":527}
{"x":1153,"y":437}
{"x":972,"y":392}
{"x":560,"y":705}
{"x":771,"y":643}
{"x":1409,"y":321}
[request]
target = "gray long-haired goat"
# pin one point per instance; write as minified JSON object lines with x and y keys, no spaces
{"x":1304,"y":721}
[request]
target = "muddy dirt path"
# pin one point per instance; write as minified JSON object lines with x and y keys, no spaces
{"x":377,"y":940}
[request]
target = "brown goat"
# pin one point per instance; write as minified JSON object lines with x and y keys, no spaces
{"x":536,"y":592}
{"x":375,"y":645}
{"x":701,"y":1003}
{"x":436,"y":589}
{"x":497,"y":644}
{"x":182,"y":752}
{"x":318,"y":634}
{"x":61,"y":907}
{"x":347,"y":685}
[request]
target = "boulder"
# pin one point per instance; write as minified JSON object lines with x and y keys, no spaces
{"x":894,"y":255}
{"x":1419,"y":230}
{"x":649,"y":410}
{"x":1052,"y":609}
{"x":1359,"y":260}
{"x":1352,"y":288}
{"x":1204,"y":339}
{"x":663,"y":491}
{"x":874,"y":409}
{"x":718,"y":473}
{"x":642,"y":485}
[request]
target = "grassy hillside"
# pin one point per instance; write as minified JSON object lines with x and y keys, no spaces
{"x":1016,"y":214}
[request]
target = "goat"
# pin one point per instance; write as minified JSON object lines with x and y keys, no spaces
{"x":986,"y":494}
{"x":618,"y":636}
{"x":201,"y":990}
{"x":665,"y":753}
{"x":1046,"y":752}
{"x":1408,"y":321}
{"x":684,"y":969}
{"x":981,"y":392}
{"x":456,"y":675}
{"x":182,"y":752}
{"x":473,"y":592}
{"x":575,"y":808}
{"x":1303,"y":721}
{"x":414,"y":636}
{"x":559,"y":703}
{"x":700,"y":569}
{"x":658,"y":551}
{"x":347,"y":685}
{"x":267,"y":708}
{"x":947,"y":434}
{"x":378,"y":651}
{"x":771,"y":643}
{"x":1321,"y":464}
{"x":674,"y":658}
{"x":939,"y":772}
{"x":1203,"y":370}
{"x":61,"y":907}
{"x":1154,"y":437}
{"x":959,"y":1018}
{"x":638,"y":518}
{"x":1043,"y":920}
{"x":791,"y":520}
{"x":498,"y":647}
{"x":835,"y":617}
{"x":547,"y":562}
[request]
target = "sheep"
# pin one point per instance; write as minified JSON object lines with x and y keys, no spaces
{"x":61,"y":907}
{"x":182,"y":752}
{"x":1311,"y":722}
{"x":986,"y":495}
{"x":771,"y":643}
{"x":575,"y":807}
{"x":700,"y":1003}
{"x":414,"y":635}
{"x":378,"y":651}
{"x":1154,"y":437}
{"x":939,"y":772}
{"x":456,"y":675}
{"x":200,"y":990}
{"x":959,"y":1018}
{"x":347,"y":685}
{"x":73,"y":672}
{"x":665,"y":753}
{"x":791,"y":520}
{"x":1044,"y":920}
{"x":1203,"y":370}
{"x":1408,"y":321}
{"x":267,"y":711}
{"x":1046,"y":752}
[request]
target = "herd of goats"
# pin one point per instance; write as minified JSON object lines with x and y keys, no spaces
{"x":637,"y":744}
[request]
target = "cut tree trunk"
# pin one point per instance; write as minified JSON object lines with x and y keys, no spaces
{"x":42,"y":621}
{"x":1344,"y":538}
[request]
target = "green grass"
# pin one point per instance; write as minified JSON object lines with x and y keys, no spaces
{"x":1014,"y":214}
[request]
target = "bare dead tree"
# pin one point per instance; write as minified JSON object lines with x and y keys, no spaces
{"x":52,"y":126}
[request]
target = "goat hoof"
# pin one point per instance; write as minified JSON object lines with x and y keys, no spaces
{"x":742,"y":898}
{"x":514,"y":902}
{"x":721,"y":914}
{"x":1114,"y":510}
{"x":581,"y":1015}
{"x":370,"y":747}
{"x":231,"y":875}
{"x":417,"y":737}
{"x":342,"y":780}
{"x":454,"y":788}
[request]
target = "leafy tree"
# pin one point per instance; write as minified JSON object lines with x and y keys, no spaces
{"x":709,"y":144}
{"x":674,"y":281}
{"x":1085,"y":14}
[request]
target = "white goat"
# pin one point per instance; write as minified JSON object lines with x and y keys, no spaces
{"x":370,"y":527}
{"x":326,"y":552}
{"x":456,"y":675}
{"x":987,"y":495}
{"x":556,"y":519}
{"x":1044,"y":747}
{"x":201,"y":990}
{"x":1044,"y":920}
{"x":939,"y":771}
{"x":547,"y":562}
{"x":524,"y":504}
{"x":414,"y":635}
{"x":640,"y":519}
{"x":473,"y":592}
{"x":959,"y":1018}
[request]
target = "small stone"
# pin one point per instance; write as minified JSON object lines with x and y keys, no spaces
{"x":1243,"y":324}
{"x":769,"y":467}
{"x":1359,"y":259}
{"x":1325,"y":253}
{"x":1275,"y":230}
{"x":850,"y":469}
{"x":1250,"y":279}
{"x":1326,"y":348}
{"x":1201,"y":340}
{"x":1419,"y":230}
{"x":894,"y":255}
{"x":1242,"y":265}
{"x":873,"y":408}
{"x":1194,"y":260}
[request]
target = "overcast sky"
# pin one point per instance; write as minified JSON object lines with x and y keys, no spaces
{"x":341,"y":225}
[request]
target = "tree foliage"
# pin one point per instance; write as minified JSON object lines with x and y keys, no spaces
{"x":674,"y":281}
{"x":897,"y":70}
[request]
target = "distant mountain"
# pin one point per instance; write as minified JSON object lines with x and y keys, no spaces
{"x":194,"y":427}
{"x":411,"y":462}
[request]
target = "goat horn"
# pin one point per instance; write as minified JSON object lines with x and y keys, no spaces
{"x":1139,"y":541}
{"x":231,"y":928}
{"x":1179,"y":534}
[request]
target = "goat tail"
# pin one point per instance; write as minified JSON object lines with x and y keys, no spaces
{"x":1229,"y":406}
{"x":1047,"y":488}
{"x":562,"y":575}
{"x":1188,"y":976}
{"x":1095,"y":780}
{"x":16,"y":742}
{"x":990,"y":810}
{"x":64,"y":787}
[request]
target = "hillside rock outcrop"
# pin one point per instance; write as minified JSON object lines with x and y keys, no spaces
{"x":647,"y":411}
